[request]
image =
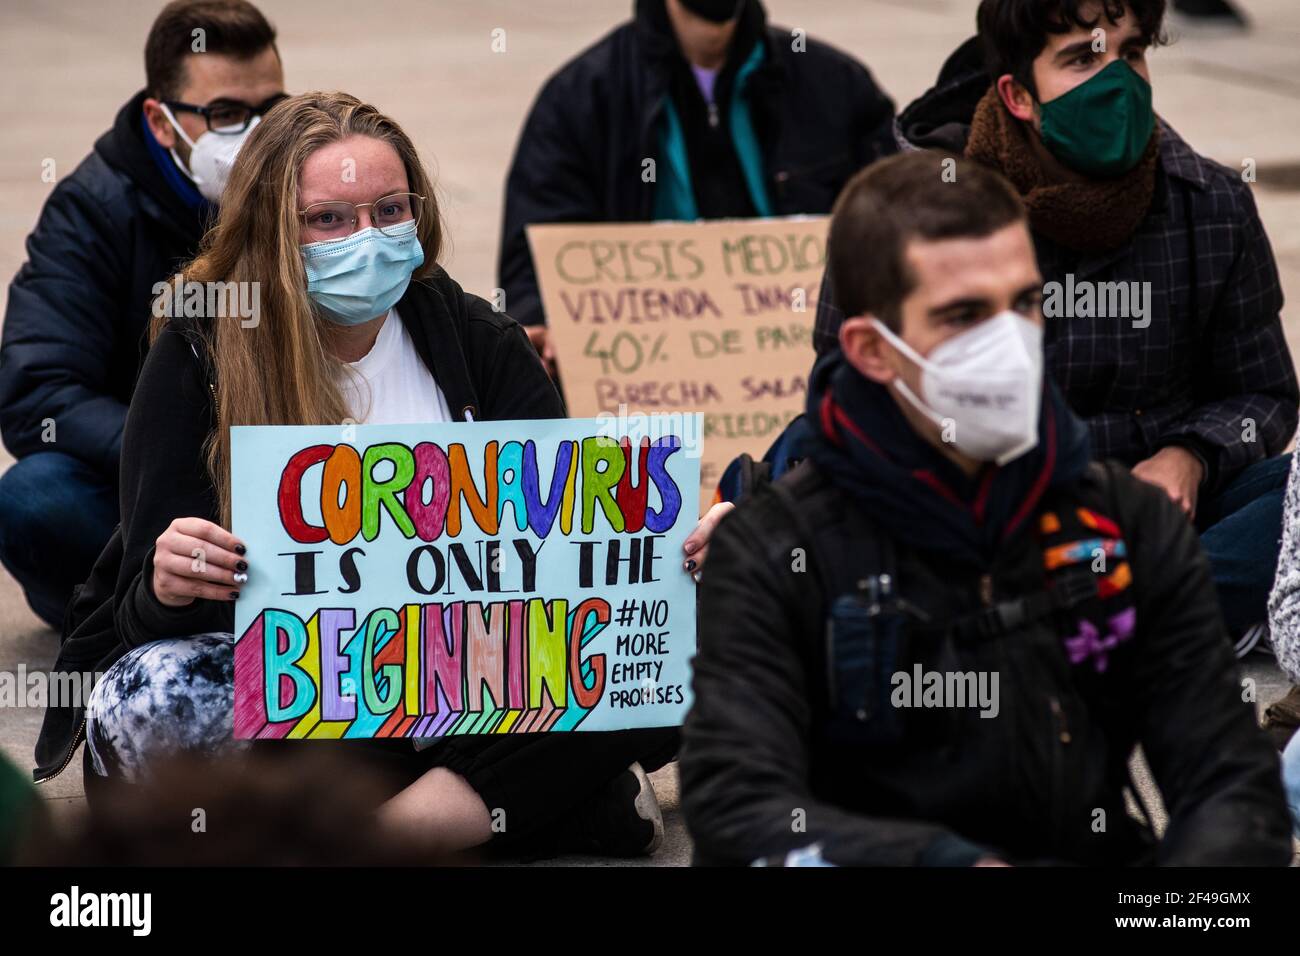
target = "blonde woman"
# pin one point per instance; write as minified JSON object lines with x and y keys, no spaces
{"x":331,"y":213}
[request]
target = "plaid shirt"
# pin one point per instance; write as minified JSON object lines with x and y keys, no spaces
{"x":1212,"y":371}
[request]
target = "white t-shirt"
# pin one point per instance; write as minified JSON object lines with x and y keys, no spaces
{"x":390,"y":385}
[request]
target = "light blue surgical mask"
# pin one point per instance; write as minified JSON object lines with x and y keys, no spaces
{"x":361,"y":277}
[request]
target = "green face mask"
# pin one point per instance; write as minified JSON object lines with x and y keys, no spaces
{"x":1102,"y":126}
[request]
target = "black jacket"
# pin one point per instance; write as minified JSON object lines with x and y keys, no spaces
{"x":767,"y":767}
{"x":480,"y":359}
{"x":1212,"y":372}
{"x":74,"y":328}
{"x":818,"y":115}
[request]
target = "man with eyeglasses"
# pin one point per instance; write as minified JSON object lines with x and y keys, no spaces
{"x":74,"y":328}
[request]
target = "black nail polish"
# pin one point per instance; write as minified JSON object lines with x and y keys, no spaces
{"x":234,"y":595}
{"x":690,"y":565}
{"x":241,"y":565}
{"x":240,"y":549}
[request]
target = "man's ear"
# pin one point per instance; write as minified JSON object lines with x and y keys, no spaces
{"x":866,"y":349}
{"x":162,"y":130}
{"x":1016,"y":98}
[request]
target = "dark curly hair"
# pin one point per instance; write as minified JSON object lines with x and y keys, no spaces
{"x":1014,"y":32}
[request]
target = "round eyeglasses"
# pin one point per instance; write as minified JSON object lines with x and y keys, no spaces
{"x":327,"y":221}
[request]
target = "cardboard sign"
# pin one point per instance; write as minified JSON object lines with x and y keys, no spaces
{"x":714,"y":317}
{"x":463,"y":578}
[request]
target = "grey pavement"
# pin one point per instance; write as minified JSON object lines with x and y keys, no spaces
{"x":66,"y":67}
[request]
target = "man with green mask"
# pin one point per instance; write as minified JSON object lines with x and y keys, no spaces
{"x":1162,"y":296}
{"x":1102,"y":126}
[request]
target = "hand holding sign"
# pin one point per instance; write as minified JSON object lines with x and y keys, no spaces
{"x":195,"y":558}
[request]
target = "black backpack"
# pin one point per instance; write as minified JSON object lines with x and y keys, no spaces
{"x":867,"y":617}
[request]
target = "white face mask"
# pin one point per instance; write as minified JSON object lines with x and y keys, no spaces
{"x":210,"y":157}
{"x":984,"y":387}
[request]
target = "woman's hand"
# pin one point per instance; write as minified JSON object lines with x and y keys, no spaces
{"x":195,"y":558}
{"x":696,"y":545}
{"x":541,"y":339}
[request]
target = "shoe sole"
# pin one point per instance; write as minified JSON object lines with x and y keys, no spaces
{"x":647,"y":808}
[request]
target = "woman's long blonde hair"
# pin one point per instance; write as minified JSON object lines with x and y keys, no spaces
{"x":278,"y":370}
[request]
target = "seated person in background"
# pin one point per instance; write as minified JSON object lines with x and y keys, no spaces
{"x":1195,"y":391}
{"x":740,"y":119}
{"x":304,"y":807}
{"x":362,"y":325}
{"x":75,"y":326}
{"x":940,"y":638}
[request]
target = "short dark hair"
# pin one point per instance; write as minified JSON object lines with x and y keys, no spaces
{"x":923,"y":194}
{"x":233,"y":28}
{"x":1014,"y":32}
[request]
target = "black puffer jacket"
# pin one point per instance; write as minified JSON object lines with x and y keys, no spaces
{"x":480,"y":359}
{"x":767,"y":766}
{"x":74,"y":328}
{"x":817,"y":113}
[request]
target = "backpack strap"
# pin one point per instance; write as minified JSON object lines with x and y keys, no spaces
{"x":743,"y":477}
{"x":837,"y":541}
{"x":1081,"y":537}
{"x":1114,"y":601}
{"x":871,"y":572}
{"x":857,"y":569}
{"x":1069,"y":592}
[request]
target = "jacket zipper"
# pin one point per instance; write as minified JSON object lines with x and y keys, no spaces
{"x":1061,"y":740}
{"x":72,"y":749}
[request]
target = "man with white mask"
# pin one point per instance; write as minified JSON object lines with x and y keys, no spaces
{"x":938,"y":640}
{"x":213,"y":155}
{"x":112,"y":229}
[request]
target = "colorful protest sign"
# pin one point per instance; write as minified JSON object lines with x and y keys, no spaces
{"x":714,"y":317}
{"x":464,"y":578}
